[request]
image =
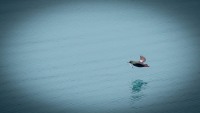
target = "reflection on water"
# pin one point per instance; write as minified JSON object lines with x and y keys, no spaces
{"x":137,"y":87}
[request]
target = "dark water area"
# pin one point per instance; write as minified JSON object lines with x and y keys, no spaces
{"x":137,"y":87}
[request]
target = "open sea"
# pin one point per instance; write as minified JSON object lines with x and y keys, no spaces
{"x":71,"y":56}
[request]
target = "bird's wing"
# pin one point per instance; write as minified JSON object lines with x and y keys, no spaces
{"x":142,"y":59}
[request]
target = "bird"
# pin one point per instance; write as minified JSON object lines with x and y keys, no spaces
{"x":139,"y":63}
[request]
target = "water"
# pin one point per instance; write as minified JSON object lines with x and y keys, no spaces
{"x":72,"y":57}
{"x":137,"y":87}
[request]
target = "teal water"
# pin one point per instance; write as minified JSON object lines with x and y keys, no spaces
{"x":72,"y":57}
{"x":137,"y":90}
{"x":138,"y":85}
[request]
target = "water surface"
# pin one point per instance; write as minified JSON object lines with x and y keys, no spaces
{"x":72,"y":57}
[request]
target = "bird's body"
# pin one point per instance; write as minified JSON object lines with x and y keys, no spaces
{"x":139,"y":63}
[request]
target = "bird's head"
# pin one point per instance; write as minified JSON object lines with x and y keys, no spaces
{"x":132,"y":62}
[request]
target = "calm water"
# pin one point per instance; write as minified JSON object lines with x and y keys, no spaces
{"x":72,"y":57}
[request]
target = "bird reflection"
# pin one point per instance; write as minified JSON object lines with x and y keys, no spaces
{"x":137,"y":86}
